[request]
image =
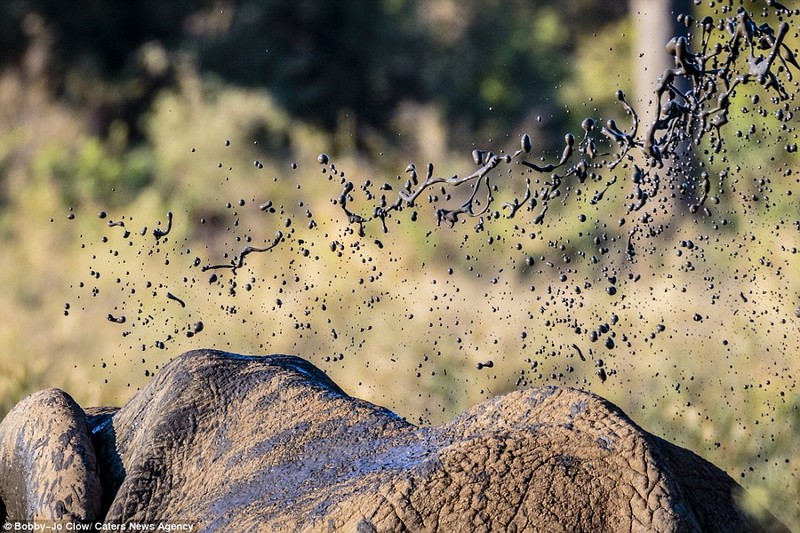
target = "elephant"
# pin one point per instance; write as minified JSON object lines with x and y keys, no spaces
{"x":224,"y":442}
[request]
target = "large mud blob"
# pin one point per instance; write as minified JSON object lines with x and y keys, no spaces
{"x":609,"y":265}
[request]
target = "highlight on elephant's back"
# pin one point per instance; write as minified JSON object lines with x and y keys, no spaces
{"x":518,"y":267}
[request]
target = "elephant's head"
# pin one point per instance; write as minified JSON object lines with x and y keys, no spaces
{"x":236,"y":443}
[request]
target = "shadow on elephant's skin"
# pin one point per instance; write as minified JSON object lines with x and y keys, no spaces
{"x":104,"y":439}
{"x":238,"y":443}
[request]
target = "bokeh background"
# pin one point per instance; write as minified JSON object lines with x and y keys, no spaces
{"x":111,"y":116}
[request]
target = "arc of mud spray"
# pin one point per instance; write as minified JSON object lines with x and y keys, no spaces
{"x":713,"y":74}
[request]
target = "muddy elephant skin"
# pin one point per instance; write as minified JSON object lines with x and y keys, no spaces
{"x":224,"y":442}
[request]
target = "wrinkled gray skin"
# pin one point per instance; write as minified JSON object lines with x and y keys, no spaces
{"x":235,"y":443}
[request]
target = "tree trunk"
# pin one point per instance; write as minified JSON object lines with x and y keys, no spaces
{"x":655,"y":23}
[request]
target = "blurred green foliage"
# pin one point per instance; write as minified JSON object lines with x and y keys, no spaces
{"x":91,"y":170}
{"x":484,"y":63}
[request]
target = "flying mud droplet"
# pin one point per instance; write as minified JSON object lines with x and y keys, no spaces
{"x":116,"y":319}
{"x":525,"y":144}
{"x":176,"y":299}
{"x":158,"y":233}
{"x":195,"y":329}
